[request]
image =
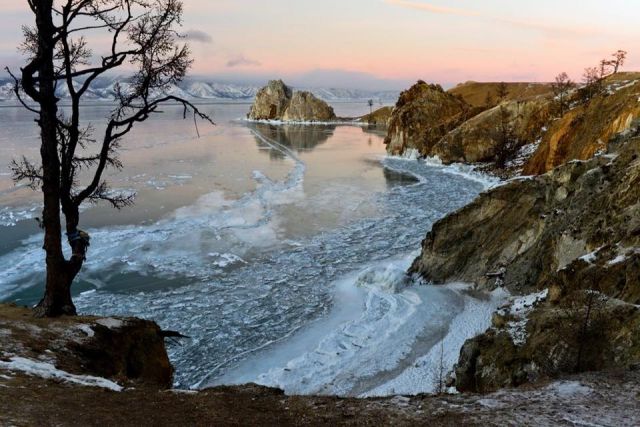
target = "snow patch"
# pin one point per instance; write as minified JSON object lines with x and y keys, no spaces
{"x":86,"y":329}
{"x":110,"y":323}
{"x":48,"y":371}
{"x":520,"y":308}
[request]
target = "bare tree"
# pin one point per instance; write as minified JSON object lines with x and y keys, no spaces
{"x":561,"y":90}
{"x":141,"y":33}
{"x":605,"y":68}
{"x":502,"y":131}
{"x":439,"y":372}
{"x":592,"y":84}
{"x":618,"y":60}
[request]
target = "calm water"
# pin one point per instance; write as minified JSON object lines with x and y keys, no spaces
{"x":279,"y":250}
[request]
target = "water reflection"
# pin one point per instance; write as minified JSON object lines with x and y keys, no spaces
{"x":300,"y":138}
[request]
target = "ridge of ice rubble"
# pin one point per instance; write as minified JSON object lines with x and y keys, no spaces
{"x":49,"y":371}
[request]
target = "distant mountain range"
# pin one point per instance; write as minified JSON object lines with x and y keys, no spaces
{"x":197,"y":89}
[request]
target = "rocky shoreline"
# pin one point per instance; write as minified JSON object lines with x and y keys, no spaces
{"x":38,"y":397}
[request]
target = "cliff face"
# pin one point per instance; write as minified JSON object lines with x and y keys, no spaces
{"x":477,"y":139}
{"x":532,"y":228}
{"x":587,"y":129}
{"x":573,"y":232}
{"x":277,"y":101}
{"x":422,"y":116}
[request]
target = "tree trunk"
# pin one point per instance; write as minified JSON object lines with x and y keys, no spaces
{"x":57,"y":297}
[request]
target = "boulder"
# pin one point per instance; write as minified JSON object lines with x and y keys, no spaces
{"x":423,"y":115}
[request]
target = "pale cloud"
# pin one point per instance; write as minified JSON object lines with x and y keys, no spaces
{"x":198,"y":36}
{"x":433,"y":8}
{"x":242,"y":61}
{"x":547,"y":29}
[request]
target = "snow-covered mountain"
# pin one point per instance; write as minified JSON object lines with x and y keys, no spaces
{"x":195,"y":89}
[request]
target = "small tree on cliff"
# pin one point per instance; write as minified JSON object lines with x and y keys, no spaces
{"x":618,"y":60}
{"x":502,"y":131}
{"x":592,"y":84}
{"x":561,"y":89}
{"x":141,"y":33}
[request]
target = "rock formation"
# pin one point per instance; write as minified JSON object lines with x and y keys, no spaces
{"x":422,"y":116}
{"x":271,"y":101}
{"x":574,"y":231}
{"x":277,"y":101}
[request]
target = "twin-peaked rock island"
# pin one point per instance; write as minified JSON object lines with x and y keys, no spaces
{"x":562,"y":232}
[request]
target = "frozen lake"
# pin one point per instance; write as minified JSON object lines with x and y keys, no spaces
{"x":280,"y":250}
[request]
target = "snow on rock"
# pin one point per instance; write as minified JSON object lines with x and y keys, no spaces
{"x":49,"y":371}
{"x":519,"y":310}
{"x":87,"y":330}
{"x":110,"y":322}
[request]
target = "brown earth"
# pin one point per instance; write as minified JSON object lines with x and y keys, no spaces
{"x":475,"y":93}
{"x":605,"y":398}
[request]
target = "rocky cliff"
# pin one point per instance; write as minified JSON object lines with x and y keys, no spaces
{"x":277,"y":101}
{"x":422,"y":116}
{"x":479,"y":138}
{"x":573,"y":232}
{"x":521,"y":134}
{"x":587,"y":129}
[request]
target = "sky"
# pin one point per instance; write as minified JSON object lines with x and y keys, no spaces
{"x":387,"y":44}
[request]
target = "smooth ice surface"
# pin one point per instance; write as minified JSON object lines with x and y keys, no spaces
{"x":280,"y":250}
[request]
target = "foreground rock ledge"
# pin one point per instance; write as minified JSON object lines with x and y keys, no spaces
{"x":126,"y":351}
